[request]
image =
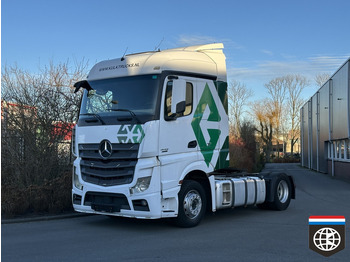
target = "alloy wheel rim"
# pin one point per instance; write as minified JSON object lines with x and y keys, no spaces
{"x":282,"y":191}
{"x":192,"y":204}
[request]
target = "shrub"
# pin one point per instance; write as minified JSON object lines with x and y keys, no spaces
{"x":53,"y":196}
{"x":37,"y":115}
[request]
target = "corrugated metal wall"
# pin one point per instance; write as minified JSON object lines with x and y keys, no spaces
{"x":314,"y":131}
{"x":324,"y":127}
{"x":304,"y":135}
{"x":325,"y":123}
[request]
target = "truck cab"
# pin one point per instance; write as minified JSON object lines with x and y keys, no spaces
{"x":152,"y":134}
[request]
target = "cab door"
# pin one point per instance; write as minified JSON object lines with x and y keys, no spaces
{"x":178,"y":146}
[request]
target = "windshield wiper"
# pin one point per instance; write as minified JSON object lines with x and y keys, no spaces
{"x":126,"y":110}
{"x":95,"y":115}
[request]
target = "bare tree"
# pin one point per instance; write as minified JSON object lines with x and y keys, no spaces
{"x":238,"y":95}
{"x":286,"y":99}
{"x":294,"y":84}
{"x":37,"y":115}
{"x":277,"y":91}
{"x":265,"y":115}
{"x":321,"y":79}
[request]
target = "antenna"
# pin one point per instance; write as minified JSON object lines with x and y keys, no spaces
{"x":123,"y":57}
{"x":157,"y":47}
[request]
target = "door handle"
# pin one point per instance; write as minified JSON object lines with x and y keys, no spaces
{"x":192,"y":144}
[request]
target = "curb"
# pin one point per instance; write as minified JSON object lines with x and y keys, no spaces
{"x":42,"y":218}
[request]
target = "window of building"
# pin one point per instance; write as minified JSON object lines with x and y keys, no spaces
{"x":342,"y":149}
{"x":339,"y":149}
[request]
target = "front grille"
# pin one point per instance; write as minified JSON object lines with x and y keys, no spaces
{"x":118,"y":169}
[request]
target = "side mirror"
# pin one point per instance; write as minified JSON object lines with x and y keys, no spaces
{"x":178,"y":98}
{"x":180,"y":107}
{"x":84,"y":84}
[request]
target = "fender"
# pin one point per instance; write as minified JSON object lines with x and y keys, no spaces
{"x":189,"y":172}
{"x":173,"y":187}
{"x":200,"y":172}
{"x":196,"y":166}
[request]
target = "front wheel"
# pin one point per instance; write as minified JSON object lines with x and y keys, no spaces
{"x":192,"y":204}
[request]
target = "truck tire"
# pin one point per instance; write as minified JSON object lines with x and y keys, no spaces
{"x":192,"y":204}
{"x":282,"y":193}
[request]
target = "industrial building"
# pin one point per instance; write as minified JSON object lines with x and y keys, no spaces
{"x":325,"y":126}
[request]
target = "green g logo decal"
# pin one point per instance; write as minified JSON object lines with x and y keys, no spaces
{"x":205,"y":124}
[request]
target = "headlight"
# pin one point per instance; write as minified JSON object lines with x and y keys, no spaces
{"x":142,"y":185}
{"x":76,"y":181}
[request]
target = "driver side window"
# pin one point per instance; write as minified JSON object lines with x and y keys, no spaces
{"x":168,"y":96}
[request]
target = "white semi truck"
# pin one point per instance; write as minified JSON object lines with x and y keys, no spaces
{"x":152,"y":140}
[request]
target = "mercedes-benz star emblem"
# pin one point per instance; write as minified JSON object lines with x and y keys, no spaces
{"x":105,"y":149}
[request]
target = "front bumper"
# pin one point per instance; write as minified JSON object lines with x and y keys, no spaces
{"x":120,"y":201}
{"x":117,"y":204}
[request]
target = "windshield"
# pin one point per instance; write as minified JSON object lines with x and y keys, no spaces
{"x":126,"y":99}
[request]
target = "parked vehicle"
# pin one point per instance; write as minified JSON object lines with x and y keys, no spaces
{"x":152,"y":140}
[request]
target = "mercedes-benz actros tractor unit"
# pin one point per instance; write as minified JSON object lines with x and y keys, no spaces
{"x":152,"y":140}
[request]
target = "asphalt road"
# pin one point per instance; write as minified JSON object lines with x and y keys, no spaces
{"x":242,"y":234}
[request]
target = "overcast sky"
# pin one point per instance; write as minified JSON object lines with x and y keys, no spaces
{"x":263,"y":39}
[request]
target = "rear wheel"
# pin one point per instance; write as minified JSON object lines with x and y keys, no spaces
{"x":192,"y":204}
{"x":282,"y":194}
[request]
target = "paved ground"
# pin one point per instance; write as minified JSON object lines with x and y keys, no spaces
{"x":242,"y":234}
